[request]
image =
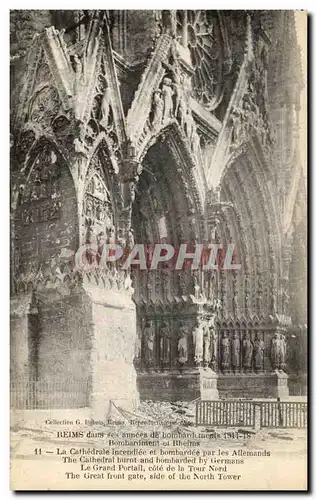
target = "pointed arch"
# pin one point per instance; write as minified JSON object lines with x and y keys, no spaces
{"x":45,"y":216}
{"x":246,"y":181}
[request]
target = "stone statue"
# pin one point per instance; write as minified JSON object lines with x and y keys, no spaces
{"x":198,"y":344}
{"x":235,"y":351}
{"x":79,"y":142}
{"x":182,"y":346}
{"x":189,"y":125}
{"x":167,"y":93}
{"x":276,"y":351}
{"x":214,"y":349}
{"x":283,"y":352}
{"x":105,"y":107}
{"x":111,"y":235}
{"x":258,"y":352}
{"x":206,"y":346}
{"x":195,"y":142}
{"x":225,"y":352}
{"x":165,"y":345}
{"x":121,"y":239}
{"x":247,"y":351}
{"x":176,"y":85}
{"x":149,"y":344}
{"x":130,"y":239}
{"x":89,"y":233}
{"x":181,"y":114}
{"x":78,"y":66}
{"x":236,"y":119}
{"x":157,"y":107}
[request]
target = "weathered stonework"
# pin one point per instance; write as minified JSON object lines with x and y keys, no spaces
{"x":161,"y":139}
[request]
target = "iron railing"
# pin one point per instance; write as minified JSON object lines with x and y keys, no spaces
{"x":243,"y":413}
{"x":49,"y":394}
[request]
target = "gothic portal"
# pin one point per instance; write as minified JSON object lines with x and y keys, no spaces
{"x":143,"y":127}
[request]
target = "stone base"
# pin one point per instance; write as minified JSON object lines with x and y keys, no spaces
{"x":253,"y":385}
{"x":117,"y":385}
{"x":178,"y":386}
{"x":208,"y":385}
{"x":297,"y":384}
{"x":113,"y":335}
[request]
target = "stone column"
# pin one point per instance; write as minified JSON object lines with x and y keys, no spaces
{"x":19,"y":333}
{"x":20,"y":369}
{"x":113,"y":337}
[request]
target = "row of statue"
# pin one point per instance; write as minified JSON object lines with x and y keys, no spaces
{"x":156,"y":349}
{"x":168,"y":103}
{"x":220,"y":352}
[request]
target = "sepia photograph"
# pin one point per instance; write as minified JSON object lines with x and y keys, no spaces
{"x":158,"y":250}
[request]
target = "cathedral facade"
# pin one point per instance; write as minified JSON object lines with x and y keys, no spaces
{"x":147,"y":127}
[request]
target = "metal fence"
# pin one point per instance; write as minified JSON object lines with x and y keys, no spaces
{"x":244,"y":413}
{"x":284,"y":414}
{"x":49,"y":394}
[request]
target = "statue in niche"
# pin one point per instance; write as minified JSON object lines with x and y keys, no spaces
{"x":105,"y":107}
{"x":206,"y":346}
{"x":236,"y":120}
{"x":167,"y":93}
{"x":149,"y":344}
{"x":121,"y":240}
{"x":54,"y":212}
{"x":36,"y":191}
{"x":177,"y":94}
{"x":89,"y":207}
{"x":195,"y":142}
{"x":79,"y":142}
{"x":189,"y":125}
{"x":247,"y":351}
{"x":165,"y":345}
{"x":89,"y":232}
{"x":181,"y":114}
{"x":99,"y":212}
{"x":258,"y":352}
{"x":214,"y":349}
{"x":225,"y":352}
{"x":101,"y":240}
{"x":196,"y":284}
{"x":198,"y":344}
{"x":78,"y":65}
{"x":130,"y":239}
{"x":235,"y":351}
{"x":111,"y":235}
{"x":276,"y":351}
{"x":182,"y":346}
{"x":131,"y":193}
{"x":283,"y":352}
{"x":158,"y":108}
